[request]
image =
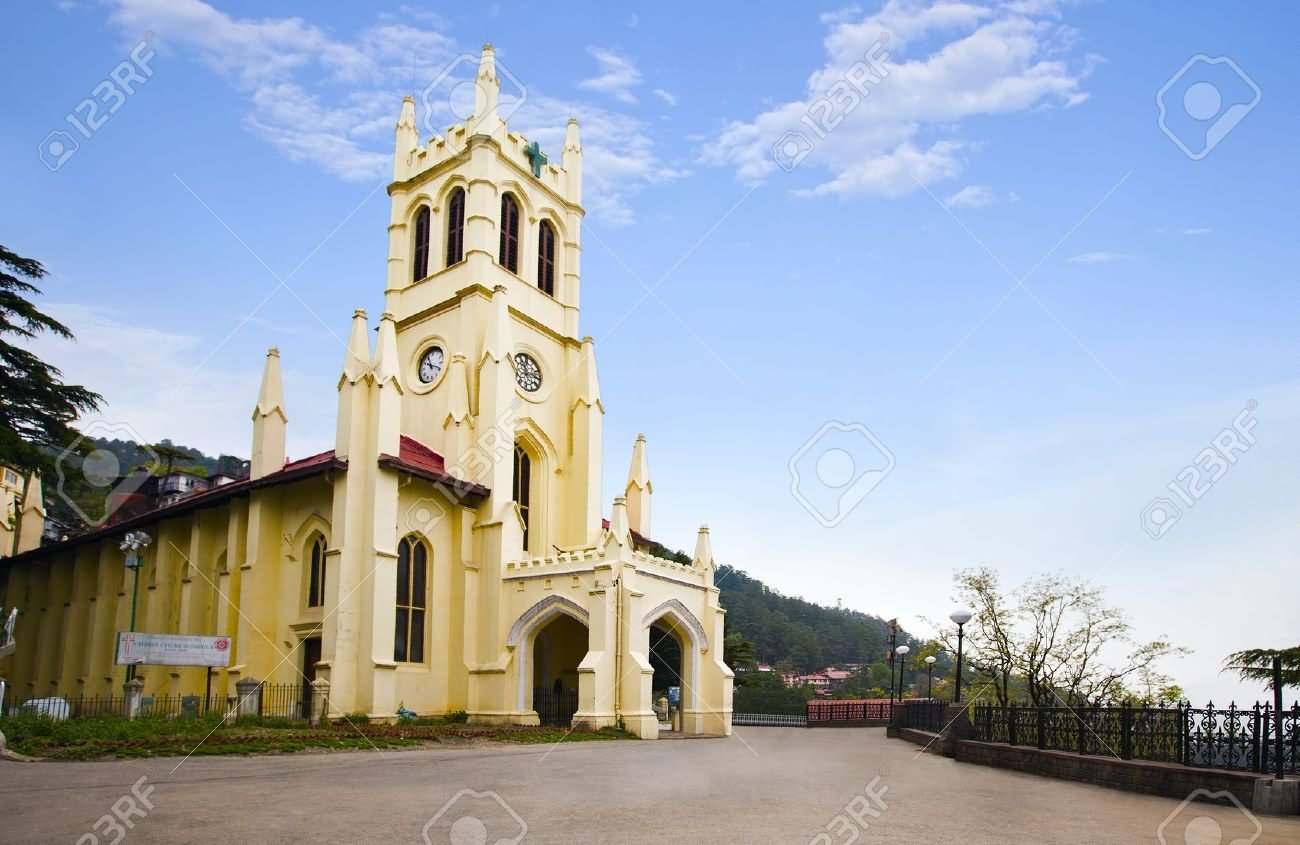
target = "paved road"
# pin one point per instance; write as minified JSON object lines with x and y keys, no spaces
{"x":764,"y":785}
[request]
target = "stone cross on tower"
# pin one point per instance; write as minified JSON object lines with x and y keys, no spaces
{"x":536,"y":157}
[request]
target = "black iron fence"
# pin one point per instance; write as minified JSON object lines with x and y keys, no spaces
{"x":286,"y":701}
{"x":283,"y":701}
{"x":555,"y":708}
{"x":1229,"y":738}
{"x":921,"y":715}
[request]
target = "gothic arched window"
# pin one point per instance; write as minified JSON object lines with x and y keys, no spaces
{"x":546,"y":258}
{"x":316,"y":572}
{"x":509,"y":257}
{"x":455,"y":226}
{"x":412,"y":600}
{"x":421,"y":268}
{"x":523,"y":483}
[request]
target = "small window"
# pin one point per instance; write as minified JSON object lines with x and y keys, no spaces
{"x":11,"y":478}
{"x":412,"y":587}
{"x":316,"y":573}
{"x":523,"y":486}
{"x":456,"y":226}
{"x":546,"y":258}
{"x":509,"y":255}
{"x":421,"y":244}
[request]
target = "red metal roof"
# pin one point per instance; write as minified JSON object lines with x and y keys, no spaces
{"x":415,"y":453}
{"x":421,"y":461}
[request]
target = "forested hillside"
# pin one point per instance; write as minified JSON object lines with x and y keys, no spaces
{"x":810,"y":636}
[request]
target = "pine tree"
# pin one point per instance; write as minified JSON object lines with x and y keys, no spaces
{"x":38,"y":409}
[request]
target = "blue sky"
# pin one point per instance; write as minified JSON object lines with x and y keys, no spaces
{"x":739,"y":308}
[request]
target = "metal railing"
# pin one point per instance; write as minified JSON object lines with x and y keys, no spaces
{"x":1231,"y":738}
{"x":921,"y":715}
{"x":832,"y":711}
{"x":286,"y":701}
{"x":769,"y":720}
{"x":282,"y":701}
{"x":555,"y":708}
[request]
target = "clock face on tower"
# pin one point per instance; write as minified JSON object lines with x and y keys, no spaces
{"x":527,"y":372}
{"x":431,"y":364}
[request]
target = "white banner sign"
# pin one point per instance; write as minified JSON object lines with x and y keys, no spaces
{"x":136,"y":648}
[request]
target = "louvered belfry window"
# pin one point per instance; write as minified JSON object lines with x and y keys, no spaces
{"x":509,"y":257}
{"x":456,"y":226}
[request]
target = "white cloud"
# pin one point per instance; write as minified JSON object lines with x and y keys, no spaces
{"x":1198,"y":231}
{"x":1098,"y":257}
{"x":941,"y":64}
{"x":331,"y":103}
{"x":157,"y":383}
{"x":839,"y":16}
{"x":618,"y":76}
{"x":972,"y":196}
{"x":667,"y":96}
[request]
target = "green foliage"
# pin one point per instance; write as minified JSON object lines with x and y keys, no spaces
{"x":738,"y":652}
{"x":765,"y":692}
{"x":809,"y":636}
{"x":38,"y":410}
{"x":456,"y":717}
{"x":102,"y":736}
{"x":129,"y":456}
{"x":1256,"y":664}
{"x":660,"y":550}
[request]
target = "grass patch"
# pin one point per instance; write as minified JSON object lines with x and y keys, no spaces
{"x":111,"y":736}
{"x":556,"y":735}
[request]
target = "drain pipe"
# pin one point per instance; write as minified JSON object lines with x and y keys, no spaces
{"x":618,"y":650}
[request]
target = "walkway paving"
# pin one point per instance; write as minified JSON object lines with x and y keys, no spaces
{"x":764,"y":785}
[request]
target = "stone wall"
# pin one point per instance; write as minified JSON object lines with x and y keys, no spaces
{"x":1168,"y":779}
{"x":1171,"y":780}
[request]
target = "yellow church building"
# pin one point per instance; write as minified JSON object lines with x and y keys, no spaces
{"x":450,"y":552}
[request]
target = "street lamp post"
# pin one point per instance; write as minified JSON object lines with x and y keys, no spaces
{"x":929,"y":676}
{"x":902,"y":665}
{"x":132,"y":545}
{"x":960,"y":618}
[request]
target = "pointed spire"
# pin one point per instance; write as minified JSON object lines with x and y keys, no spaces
{"x":356,"y":360}
{"x":497,"y":343}
{"x":458,"y":398}
{"x":408,"y":137}
{"x":31,"y":520}
{"x":571,"y":160}
{"x":704,"y":549}
{"x":34,"y":498}
{"x":572,"y":143}
{"x":270,"y":398}
{"x":588,"y":384}
{"x":638,"y":475}
{"x":385,"y":364}
{"x":269,"y":421}
{"x":618,"y":522}
{"x":487,"y":90}
{"x":639,"y":489}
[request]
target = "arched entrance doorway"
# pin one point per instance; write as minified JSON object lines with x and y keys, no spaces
{"x":557,"y":649}
{"x":675,"y":641}
{"x":666,"y":660}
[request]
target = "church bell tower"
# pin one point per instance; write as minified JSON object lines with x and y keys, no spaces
{"x":483,"y":288}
